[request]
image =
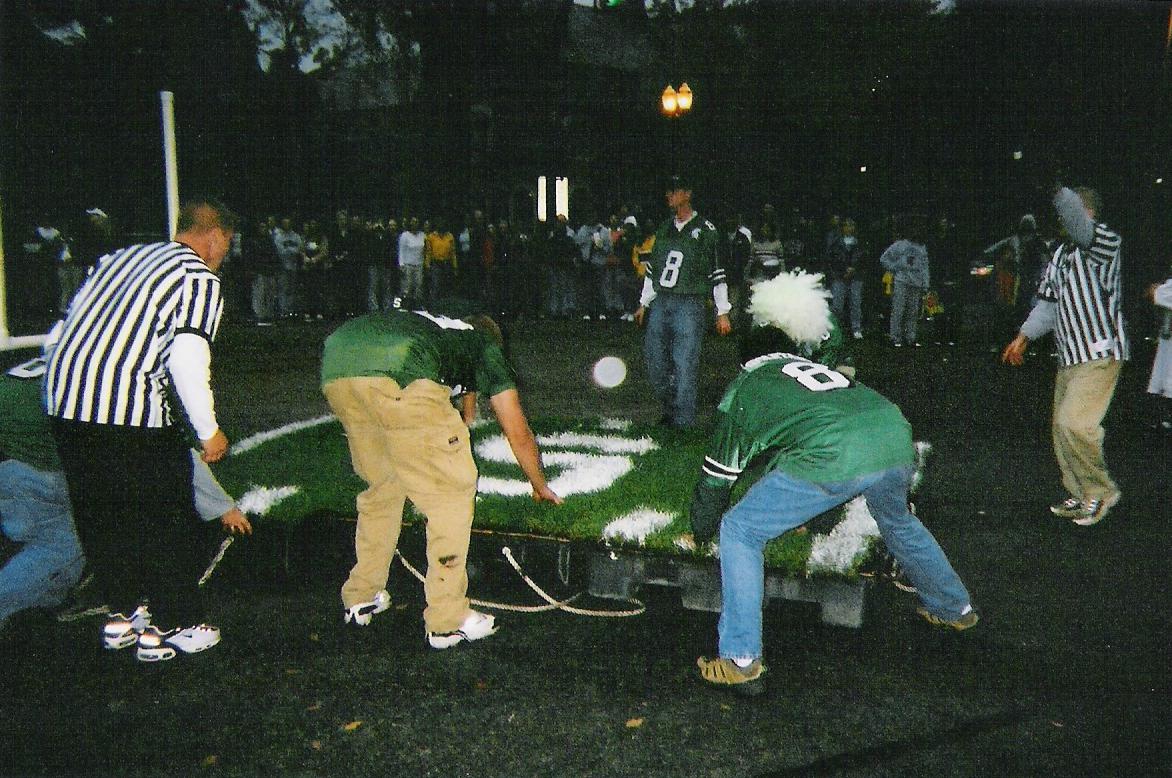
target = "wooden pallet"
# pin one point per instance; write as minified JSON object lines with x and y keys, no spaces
{"x":621,"y":575}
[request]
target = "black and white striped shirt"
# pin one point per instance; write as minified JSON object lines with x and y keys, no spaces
{"x":1085,"y":286}
{"x":110,"y":364}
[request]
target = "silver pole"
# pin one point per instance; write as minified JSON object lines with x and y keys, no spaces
{"x":3,"y":285}
{"x":170,"y":161}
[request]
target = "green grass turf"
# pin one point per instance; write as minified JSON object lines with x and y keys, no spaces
{"x":317,"y":460}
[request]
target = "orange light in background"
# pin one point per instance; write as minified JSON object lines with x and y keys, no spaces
{"x":668,"y":101}
{"x":674,"y":104}
{"x":1168,"y":36}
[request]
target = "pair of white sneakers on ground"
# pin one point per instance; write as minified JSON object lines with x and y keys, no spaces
{"x":153,"y":644}
{"x":476,"y":625}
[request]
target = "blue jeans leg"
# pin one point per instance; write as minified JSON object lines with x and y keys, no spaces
{"x":938,"y":585}
{"x":856,"y":303}
{"x":671,"y":349}
{"x":34,"y":511}
{"x":688,"y":334}
{"x":774,"y":505}
{"x":838,"y":298}
{"x":656,"y":347}
{"x":778,"y":503}
{"x":898,"y":304}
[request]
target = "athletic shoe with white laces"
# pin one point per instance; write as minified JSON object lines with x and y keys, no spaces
{"x":477,"y":625}
{"x":361,"y":614}
{"x":122,"y":631}
{"x":1070,"y":508}
{"x":1094,"y":511}
{"x":155,"y":645}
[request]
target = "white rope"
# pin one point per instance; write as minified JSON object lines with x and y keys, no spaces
{"x":553,"y":604}
{"x":486,"y":604}
{"x":569,"y":608}
{"x":215,"y":560}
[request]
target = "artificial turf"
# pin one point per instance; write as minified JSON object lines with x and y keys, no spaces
{"x":316,"y":460}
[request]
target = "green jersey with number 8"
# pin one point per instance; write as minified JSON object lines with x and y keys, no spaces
{"x":815,"y":423}
{"x":683,"y":260}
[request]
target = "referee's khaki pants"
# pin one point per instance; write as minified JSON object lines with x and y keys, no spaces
{"x":1082,"y":394}
{"x":409,"y":443}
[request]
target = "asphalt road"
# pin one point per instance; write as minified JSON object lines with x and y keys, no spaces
{"x":1066,"y":675}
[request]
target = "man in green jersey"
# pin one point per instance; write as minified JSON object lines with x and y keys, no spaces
{"x":827,"y":439}
{"x":390,"y":378}
{"x":682,"y":272}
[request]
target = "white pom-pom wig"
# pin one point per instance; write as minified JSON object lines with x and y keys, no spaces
{"x":793,"y":302}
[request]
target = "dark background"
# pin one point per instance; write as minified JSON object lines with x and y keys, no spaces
{"x":792,"y":97}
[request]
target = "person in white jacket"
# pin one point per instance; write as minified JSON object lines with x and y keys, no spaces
{"x":1160,"y":383}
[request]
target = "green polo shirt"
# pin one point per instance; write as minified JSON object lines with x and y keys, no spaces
{"x":412,"y":345}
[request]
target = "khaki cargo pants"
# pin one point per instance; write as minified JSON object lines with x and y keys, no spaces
{"x":409,"y":443}
{"x":1082,"y":394}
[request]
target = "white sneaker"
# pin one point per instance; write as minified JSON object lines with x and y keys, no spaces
{"x":157,"y":646}
{"x":858,"y":334}
{"x":476,"y":626}
{"x":362,"y":613}
{"x":122,"y":631}
{"x":1096,"y":510}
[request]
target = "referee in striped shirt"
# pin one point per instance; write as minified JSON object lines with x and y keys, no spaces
{"x":140,"y":325}
{"x":1080,"y":300}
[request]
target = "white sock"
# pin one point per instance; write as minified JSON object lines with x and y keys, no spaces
{"x":967,"y":610}
{"x":743,"y":661}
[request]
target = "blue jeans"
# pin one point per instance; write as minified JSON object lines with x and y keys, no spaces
{"x":288,"y":291}
{"x":34,"y":511}
{"x":560,"y":293}
{"x":671,"y":349}
{"x":841,"y":291}
{"x":906,"y":303}
{"x":778,"y":503}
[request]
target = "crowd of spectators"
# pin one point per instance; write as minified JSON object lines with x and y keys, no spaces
{"x":906,"y":278}
{"x":591,"y":268}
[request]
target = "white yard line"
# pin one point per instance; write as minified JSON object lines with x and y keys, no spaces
{"x":252,"y":441}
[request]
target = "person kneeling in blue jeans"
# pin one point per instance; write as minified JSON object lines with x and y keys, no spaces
{"x":34,"y":500}
{"x":828,"y":439}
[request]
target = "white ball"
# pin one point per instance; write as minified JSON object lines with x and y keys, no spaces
{"x":609,"y":372}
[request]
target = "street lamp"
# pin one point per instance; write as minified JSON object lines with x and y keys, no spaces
{"x":674,"y":104}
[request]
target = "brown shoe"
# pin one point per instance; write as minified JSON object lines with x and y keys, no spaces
{"x":960,"y":624}
{"x":746,"y":681}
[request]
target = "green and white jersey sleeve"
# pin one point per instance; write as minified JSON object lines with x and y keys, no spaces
{"x":812,"y":421}
{"x":683,"y":260}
